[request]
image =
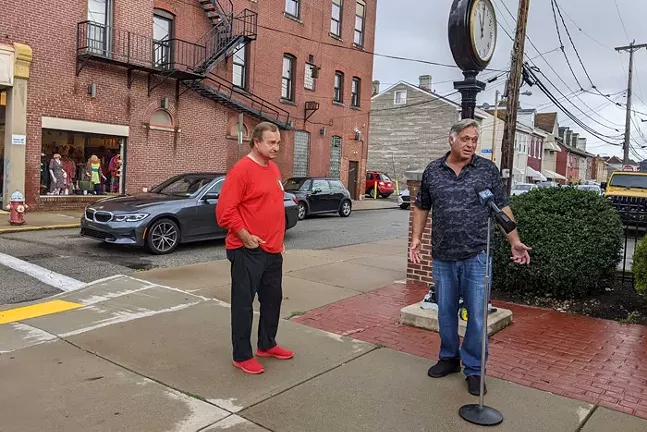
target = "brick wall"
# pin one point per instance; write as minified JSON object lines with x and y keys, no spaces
{"x":419,"y":273}
{"x":204,"y":138}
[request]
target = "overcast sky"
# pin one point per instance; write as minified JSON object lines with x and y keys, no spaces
{"x":418,"y":29}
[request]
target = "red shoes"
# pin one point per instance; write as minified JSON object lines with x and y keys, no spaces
{"x":276,"y":352}
{"x":251,"y":366}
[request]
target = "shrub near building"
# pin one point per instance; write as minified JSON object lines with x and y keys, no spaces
{"x":639,"y":266}
{"x":576,"y":239}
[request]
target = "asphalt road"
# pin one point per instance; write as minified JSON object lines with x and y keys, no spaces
{"x":65,"y":252}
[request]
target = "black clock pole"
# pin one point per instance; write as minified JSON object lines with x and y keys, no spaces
{"x":469,"y":88}
{"x":463,"y":30}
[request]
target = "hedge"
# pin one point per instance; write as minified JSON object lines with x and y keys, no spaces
{"x":639,"y":266}
{"x":576,"y":237}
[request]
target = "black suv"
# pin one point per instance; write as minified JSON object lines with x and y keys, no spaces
{"x":318,"y":195}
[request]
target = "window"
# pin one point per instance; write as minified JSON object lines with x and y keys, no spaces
{"x":161,"y":118}
{"x":339,"y":87}
{"x":287,"y":87}
{"x":297,"y":184}
{"x":360,"y":13}
{"x":98,"y":32}
{"x":322,"y":185}
{"x":309,"y":79}
{"x":336,"y":184}
{"x":293,"y":8}
{"x":162,"y":35}
{"x":335,"y":19}
{"x":400,"y":97}
{"x":240,"y":66}
{"x":354,"y":92}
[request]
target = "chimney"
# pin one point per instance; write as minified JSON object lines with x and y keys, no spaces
{"x":425,"y":82}
{"x":574,"y":138}
{"x":376,"y":88}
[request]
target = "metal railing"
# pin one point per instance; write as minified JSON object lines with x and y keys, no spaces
{"x":224,"y":37}
{"x":634,"y":230}
{"x":254,"y":103}
{"x":109,"y":43}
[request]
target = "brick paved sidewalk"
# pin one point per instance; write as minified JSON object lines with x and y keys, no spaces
{"x":589,"y":359}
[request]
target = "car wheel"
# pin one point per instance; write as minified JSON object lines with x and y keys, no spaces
{"x":345,"y":209}
{"x":163,"y":237}
{"x":303,"y":211}
{"x":385,"y":195}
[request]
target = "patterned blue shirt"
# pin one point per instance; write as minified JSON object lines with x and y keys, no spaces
{"x":458,"y":220}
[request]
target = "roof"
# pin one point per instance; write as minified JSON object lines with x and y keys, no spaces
{"x":546,"y":121}
{"x":477,"y":112}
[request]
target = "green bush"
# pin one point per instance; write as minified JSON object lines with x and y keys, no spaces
{"x":639,"y":266}
{"x":576,"y":237}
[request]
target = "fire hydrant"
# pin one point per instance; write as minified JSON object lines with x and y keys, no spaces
{"x":17,"y":209}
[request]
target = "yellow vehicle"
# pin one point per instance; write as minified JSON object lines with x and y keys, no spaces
{"x":627,"y":191}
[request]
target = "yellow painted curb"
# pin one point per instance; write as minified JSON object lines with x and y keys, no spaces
{"x":38,"y":228}
{"x":37,"y":310}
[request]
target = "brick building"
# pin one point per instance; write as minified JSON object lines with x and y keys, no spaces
{"x":162,"y":84}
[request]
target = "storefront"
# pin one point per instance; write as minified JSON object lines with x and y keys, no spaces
{"x":67,"y":167}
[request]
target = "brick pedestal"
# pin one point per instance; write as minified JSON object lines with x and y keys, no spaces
{"x":419,"y":273}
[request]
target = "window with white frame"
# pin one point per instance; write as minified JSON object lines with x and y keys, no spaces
{"x":360,"y":14}
{"x":335,"y":18}
{"x":293,"y":8}
{"x":287,"y":81}
{"x":240,"y":66}
{"x":355,"y":92}
{"x":339,"y":87}
{"x":400,"y":97}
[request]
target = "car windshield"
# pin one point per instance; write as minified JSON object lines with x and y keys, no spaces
{"x":589,"y":188}
{"x":185,"y":185}
{"x":295,"y":184}
{"x":383,"y":177}
{"x":522,"y":187}
{"x":629,"y":181}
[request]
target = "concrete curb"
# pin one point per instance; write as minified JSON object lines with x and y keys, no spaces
{"x":38,"y":228}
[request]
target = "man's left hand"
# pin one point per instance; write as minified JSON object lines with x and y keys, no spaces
{"x":520,"y":253}
{"x":283,"y":251}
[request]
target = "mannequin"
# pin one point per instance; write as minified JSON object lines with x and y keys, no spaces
{"x":70,"y":170}
{"x":57,"y":175}
{"x":115,"y":172}
{"x":94,"y":172}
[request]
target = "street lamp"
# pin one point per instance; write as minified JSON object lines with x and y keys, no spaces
{"x":496,"y":117}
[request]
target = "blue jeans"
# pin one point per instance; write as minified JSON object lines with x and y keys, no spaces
{"x":453,"y":279}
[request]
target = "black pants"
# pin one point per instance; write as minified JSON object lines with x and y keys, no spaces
{"x":254,"y":271}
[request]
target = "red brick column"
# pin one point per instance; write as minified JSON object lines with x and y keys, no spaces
{"x":419,"y":273}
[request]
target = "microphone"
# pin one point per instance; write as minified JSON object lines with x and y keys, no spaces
{"x":486,"y":198}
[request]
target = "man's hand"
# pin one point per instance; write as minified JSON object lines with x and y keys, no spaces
{"x":414,"y":251}
{"x":283,"y":251}
{"x":520,"y":253}
{"x":250,"y":241}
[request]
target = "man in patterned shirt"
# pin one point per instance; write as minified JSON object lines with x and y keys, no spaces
{"x":458,"y":242}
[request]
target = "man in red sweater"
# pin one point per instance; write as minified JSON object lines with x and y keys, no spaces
{"x":250,"y":207}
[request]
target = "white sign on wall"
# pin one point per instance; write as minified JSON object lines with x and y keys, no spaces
{"x":18,"y":139}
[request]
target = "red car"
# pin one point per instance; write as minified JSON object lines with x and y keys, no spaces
{"x":385,"y":186}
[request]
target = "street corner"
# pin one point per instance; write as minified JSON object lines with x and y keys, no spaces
{"x":115,"y":300}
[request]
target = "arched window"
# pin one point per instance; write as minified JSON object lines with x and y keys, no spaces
{"x":162,"y":118}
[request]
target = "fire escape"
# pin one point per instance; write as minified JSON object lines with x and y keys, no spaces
{"x":190,"y":64}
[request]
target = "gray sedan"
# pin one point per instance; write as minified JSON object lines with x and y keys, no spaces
{"x":180,"y":210}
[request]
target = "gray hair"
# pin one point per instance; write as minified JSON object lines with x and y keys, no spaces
{"x":464,"y":124}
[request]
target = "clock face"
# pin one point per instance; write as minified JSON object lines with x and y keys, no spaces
{"x":483,"y":29}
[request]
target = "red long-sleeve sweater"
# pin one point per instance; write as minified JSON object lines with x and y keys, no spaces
{"x":252,"y":199}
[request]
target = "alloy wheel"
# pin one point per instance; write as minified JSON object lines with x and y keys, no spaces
{"x":164,"y":236}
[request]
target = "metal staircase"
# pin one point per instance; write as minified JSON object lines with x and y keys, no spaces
{"x":222,"y":91}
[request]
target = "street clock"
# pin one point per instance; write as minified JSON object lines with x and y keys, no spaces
{"x":472,"y":33}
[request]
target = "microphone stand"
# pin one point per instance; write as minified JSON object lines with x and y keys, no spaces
{"x":481,"y":414}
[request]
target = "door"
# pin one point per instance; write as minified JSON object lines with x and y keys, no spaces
{"x":205,"y":225}
{"x":337,"y":193}
{"x":98,"y":27}
{"x":162,"y":35}
{"x":353,"y":172}
{"x":320,"y":196}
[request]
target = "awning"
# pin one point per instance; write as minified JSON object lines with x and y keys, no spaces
{"x":549,"y":145}
{"x":535,"y":175}
{"x":517,"y":171}
{"x":552,"y":175}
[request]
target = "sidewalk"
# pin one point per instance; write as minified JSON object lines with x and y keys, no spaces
{"x":153,"y":354}
{"x":375,"y":204}
{"x":35,"y":221}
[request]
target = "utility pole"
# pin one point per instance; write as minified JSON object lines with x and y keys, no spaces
{"x":494,"y":122}
{"x":514,"y":84}
{"x":631,"y":48}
